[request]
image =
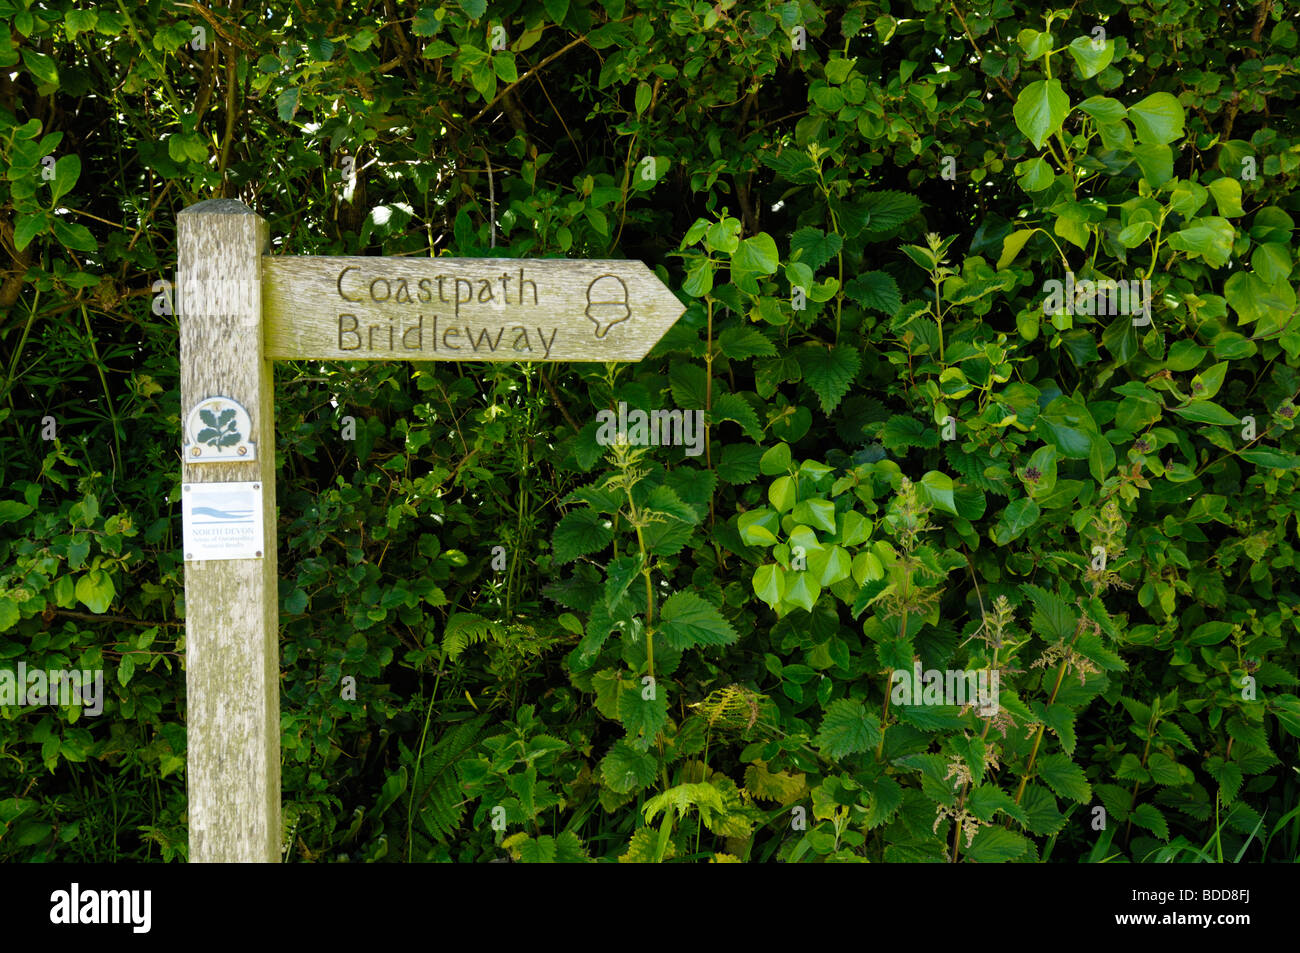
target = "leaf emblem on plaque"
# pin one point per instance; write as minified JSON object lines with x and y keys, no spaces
{"x":218,"y":430}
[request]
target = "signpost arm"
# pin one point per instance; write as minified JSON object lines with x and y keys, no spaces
{"x":232,"y":656}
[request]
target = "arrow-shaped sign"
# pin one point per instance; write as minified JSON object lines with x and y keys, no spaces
{"x":462,"y":309}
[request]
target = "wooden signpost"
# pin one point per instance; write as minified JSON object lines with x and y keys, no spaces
{"x":240,"y":309}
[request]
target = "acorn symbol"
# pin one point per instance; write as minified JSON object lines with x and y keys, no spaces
{"x":607,"y":303}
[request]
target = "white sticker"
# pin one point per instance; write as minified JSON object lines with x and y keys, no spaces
{"x":222,"y":520}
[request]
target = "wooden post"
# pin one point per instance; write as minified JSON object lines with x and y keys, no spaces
{"x":232,"y":654}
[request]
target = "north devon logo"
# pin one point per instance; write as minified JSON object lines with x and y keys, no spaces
{"x":218,"y":428}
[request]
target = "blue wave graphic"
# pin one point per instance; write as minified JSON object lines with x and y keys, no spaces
{"x":231,"y":516}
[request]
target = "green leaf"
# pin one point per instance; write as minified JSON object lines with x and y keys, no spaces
{"x":1227,"y":196}
{"x":687,"y":621}
{"x":474,"y":9}
{"x":1064,"y":777}
{"x":739,"y":464}
{"x":886,"y":210}
{"x":625,"y":769}
{"x":1156,"y":162}
{"x":783,"y":493}
{"x":503,"y":64}
{"x":848,"y":728}
{"x":1271,"y":458}
{"x":11,"y":511}
{"x":1148,"y":816}
{"x":95,"y":590}
{"x":28,"y":227}
{"x":286,"y":104}
{"x":996,"y":845}
{"x":768,"y":583}
{"x":426,"y":22}
{"x":1206,"y":384}
{"x":815,"y":512}
{"x":79,"y":21}
{"x":643,"y":717}
{"x":829,"y":372}
{"x":41,"y":66}
{"x":9,"y":613}
{"x":1207,"y":412}
{"x":1060,"y":718}
{"x":1088,"y":58}
{"x":829,"y":565}
{"x":775,"y":460}
{"x":1012,"y":244}
{"x":74,"y":236}
{"x":1271,"y":261}
{"x":125,"y":669}
{"x":875,"y":290}
{"x":754,"y":256}
{"x":578,"y":533}
{"x":814,"y":246}
{"x":1158,"y":119}
{"x":66,"y":172}
{"x":1015,"y":520}
{"x":1035,"y":175}
{"x":759,"y":527}
{"x":1209,"y":237}
{"x":1040,"y":110}
{"x":936,"y":489}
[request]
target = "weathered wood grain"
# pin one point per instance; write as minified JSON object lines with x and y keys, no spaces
{"x":463,"y":309}
{"x":231,"y":606}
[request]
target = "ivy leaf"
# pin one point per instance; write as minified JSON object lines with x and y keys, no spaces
{"x":848,"y":728}
{"x":829,"y":372}
{"x":1040,"y":110}
{"x":687,"y":621}
{"x":578,"y":533}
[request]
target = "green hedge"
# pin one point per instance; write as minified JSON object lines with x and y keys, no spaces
{"x":935,"y":438}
